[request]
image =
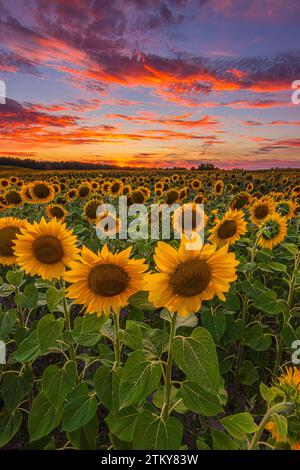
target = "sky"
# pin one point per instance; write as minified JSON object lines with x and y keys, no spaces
{"x":152,"y":83}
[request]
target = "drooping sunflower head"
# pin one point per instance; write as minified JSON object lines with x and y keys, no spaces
{"x":90,"y":209}
{"x":104,"y":282}
{"x":186,"y":277}
{"x":45,"y":249}
{"x":172,"y":196}
{"x":274,"y":231}
{"x":286,"y":209}
{"x":9,"y":229}
{"x":219,"y":187}
{"x":56,"y":211}
{"x":13,"y":198}
{"x":261,"y":209}
{"x":241,"y":201}
{"x":41,"y":192}
{"x":229,"y":229}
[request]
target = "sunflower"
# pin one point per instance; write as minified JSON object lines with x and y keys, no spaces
{"x":104,"y":281}
{"x":4,"y":183}
{"x":25,"y":193}
{"x":14,"y":180}
{"x":127,"y":190}
{"x":41,"y":192}
{"x":90,"y":209}
{"x":261,"y":209}
{"x":84,"y":190}
{"x":9,"y":229}
{"x":228,"y":229}
{"x":274,"y":231}
{"x":286,"y":209}
{"x":175,"y":178}
{"x":56,"y":211}
{"x":72,"y":194}
{"x":218,"y":187}
{"x":241,"y":201}
{"x":45,"y":249}
{"x":187,"y":277}
{"x":196,"y":184}
{"x":116,"y":188}
{"x":172,"y":196}
{"x":137,"y":196}
{"x":200,"y":199}
{"x":13,"y":198}
{"x":189,"y":216}
{"x":250,"y":187}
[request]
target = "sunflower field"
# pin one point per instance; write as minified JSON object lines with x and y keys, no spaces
{"x":143,"y":344}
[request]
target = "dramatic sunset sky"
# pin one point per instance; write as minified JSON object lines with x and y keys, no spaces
{"x":151,"y":82}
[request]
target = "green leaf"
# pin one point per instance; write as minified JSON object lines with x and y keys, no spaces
{"x":248,"y":373}
{"x":152,"y":433}
{"x":9,"y":426}
{"x":15,"y":386}
{"x":268,"y":302}
{"x":293,"y":249}
{"x":57,"y":383}
{"x":256,"y":339}
{"x":121,"y":423}
{"x":267,"y":393}
{"x":222,"y":442}
{"x":214,"y":322}
{"x":140,"y":377}
{"x":190,"y":321}
{"x":7,"y":322}
{"x":87,"y":329}
{"x":43,"y":418}
{"x":132,"y":335}
{"x":280,"y":267}
{"x":107,"y":382}
{"x":54,"y":297}
{"x":155,"y":342}
{"x":235,"y":330}
{"x":232,"y":301}
{"x":29,"y":298}
{"x":199,"y":400}
{"x":29,"y":349}
{"x":141,"y":302}
{"x":15,"y":278}
{"x":6,"y":290}
{"x":158,"y":399}
{"x":85,"y":438}
{"x":281,"y":424}
{"x":196,"y":356}
{"x":239,"y":425}
{"x":80,"y":408}
{"x":49,"y":330}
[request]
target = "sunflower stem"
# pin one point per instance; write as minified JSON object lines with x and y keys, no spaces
{"x":67,"y":315}
{"x":117,"y":345}
{"x":286,"y":316}
{"x":168,"y":373}
{"x":271,"y":411}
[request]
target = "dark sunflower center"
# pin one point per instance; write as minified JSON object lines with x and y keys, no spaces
{"x":41,"y":191}
{"x":261,"y":212}
{"x":115,"y":187}
{"x":83,"y":192}
{"x":190,"y":278}
{"x":227,"y":229}
{"x":48,"y":249}
{"x":91,"y":210}
{"x":137,"y":197}
{"x":108,"y":280}
{"x":13,"y":197}
{"x":172,"y":196}
{"x":240,"y":202}
{"x":7,"y":237}
{"x":57,"y":212}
